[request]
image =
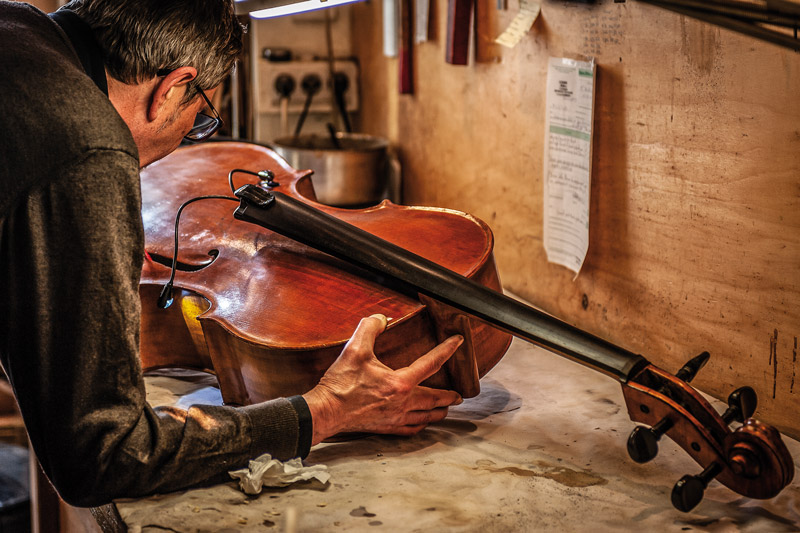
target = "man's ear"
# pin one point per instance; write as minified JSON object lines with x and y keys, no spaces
{"x":169,"y":87}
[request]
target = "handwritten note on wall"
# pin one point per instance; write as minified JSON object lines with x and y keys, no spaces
{"x":568,"y":161}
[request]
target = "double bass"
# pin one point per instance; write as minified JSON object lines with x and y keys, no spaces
{"x":266,"y":295}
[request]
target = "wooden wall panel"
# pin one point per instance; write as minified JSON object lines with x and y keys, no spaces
{"x":695,"y":210}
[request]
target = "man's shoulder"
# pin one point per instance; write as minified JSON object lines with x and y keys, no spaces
{"x":12,"y":10}
{"x":45,"y":88}
{"x":53,"y":114}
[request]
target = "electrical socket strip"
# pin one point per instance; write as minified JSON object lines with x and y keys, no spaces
{"x":322,"y":102}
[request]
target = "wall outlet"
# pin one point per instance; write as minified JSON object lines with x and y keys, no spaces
{"x":270,"y":72}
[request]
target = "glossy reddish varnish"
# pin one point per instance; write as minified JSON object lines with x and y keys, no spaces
{"x":270,"y":315}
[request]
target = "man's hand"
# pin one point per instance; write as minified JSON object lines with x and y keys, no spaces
{"x":359,"y":393}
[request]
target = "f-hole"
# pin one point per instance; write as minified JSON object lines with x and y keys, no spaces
{"x":185,"y":267}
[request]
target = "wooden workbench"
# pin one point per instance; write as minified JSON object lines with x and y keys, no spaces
{"x":542,"y":448}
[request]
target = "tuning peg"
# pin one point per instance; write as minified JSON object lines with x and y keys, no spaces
{"x":267,"y":179}
{"x":688,"y":491}
{"x":691,"y":368}
{"x":741,"y":405}
{"x":643,"y":441}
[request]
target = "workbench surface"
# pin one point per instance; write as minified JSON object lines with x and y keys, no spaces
{"x":542,"y":448}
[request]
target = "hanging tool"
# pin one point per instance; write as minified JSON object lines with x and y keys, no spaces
{"x":406,"y":47}
{"x":422,"y":9}
{"x":459,"y":15}
{"x":765,"y":21}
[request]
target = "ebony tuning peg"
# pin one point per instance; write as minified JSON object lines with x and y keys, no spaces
{"x":643,"y":441}
{"x":691,"y":368}
{"x":688,"y":491}
{"x":741,"y":405}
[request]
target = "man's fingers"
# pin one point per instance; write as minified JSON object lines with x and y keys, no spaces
{"x":363,"y":339}
{"x":431,"y":362}
{"x":415,"y":421}
{"x":426,"y":398}
{"x":415,"y":418}
{"x":407,"y":431}
{"x":373,"y":397}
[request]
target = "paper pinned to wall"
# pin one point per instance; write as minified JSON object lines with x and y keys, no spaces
{"x":528,"y":12}
{"x":568,"y":160}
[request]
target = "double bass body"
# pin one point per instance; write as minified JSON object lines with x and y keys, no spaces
{"x":268,"y":315}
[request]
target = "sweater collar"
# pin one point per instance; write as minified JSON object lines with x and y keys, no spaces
{"x":82,"y":38}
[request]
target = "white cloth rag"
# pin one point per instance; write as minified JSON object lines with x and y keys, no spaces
{"x":264,"y":471}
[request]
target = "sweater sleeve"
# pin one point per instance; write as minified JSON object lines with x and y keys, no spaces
{"x":71,"y":254}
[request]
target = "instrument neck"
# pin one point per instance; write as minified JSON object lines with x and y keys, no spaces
{"x":299,"y":221}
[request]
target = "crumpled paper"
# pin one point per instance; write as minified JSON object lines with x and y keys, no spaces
{"x":264,"y":471}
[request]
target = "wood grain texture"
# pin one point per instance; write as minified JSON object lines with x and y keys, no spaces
{"x":695,"y":208}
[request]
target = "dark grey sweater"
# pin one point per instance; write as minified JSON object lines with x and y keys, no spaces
{"x":71,"y":248}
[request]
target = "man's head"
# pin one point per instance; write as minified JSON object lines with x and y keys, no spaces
{"x":194,"y":41}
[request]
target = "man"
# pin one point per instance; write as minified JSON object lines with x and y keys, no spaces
{"x":90,"y":95}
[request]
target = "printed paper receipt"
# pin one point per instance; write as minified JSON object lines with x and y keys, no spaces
{"x":568,"y":161}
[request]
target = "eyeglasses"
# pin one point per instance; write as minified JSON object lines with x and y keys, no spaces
{"x":204,"y":125}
